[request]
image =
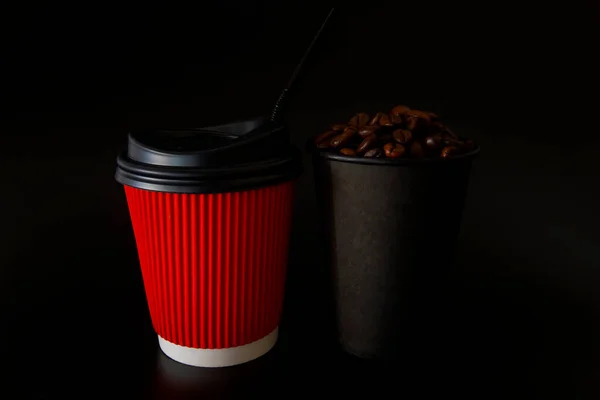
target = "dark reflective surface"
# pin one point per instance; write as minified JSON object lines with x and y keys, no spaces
{"x":173,"y":380}
{"x":476,"y":343}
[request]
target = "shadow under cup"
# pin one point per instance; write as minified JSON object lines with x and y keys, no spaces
{"x":390,"y":228}
{"x":212,"y":240}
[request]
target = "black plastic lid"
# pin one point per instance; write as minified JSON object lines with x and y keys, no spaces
{"x":232,"y":157}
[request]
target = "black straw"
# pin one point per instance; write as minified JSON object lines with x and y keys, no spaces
{"x":276,"y":114}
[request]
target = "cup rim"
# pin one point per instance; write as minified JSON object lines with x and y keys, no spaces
{"x":324,"y":153}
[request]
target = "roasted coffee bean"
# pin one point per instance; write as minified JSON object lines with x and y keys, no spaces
{"x":402,"y":136}
{"x":339,"y":127}
{"x":350,"y":131}
{"x":339,"y":140}
{"x":403,"y":132}
{"x":368,"y":130}
{"x":376,"y":118}
{"x":418,"y":114}
{"x":396,"y":119}
{"x":359,"y":120}
{"x":434,"y":142}
{"x":363,"y":119}
{"x":416,"y":150}
{"x":394,"y":150}
{"x":385,"y":120}
{"x":399,"y":110}
{"x":343,"y":138}
{"x":416,"y":119}
{"x":369,"y":142}
{"x":375,"y":153}
{"x":324,"y":136}
{"x":449,"y":151}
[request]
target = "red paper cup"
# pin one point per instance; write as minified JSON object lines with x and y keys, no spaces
{"x":213,"y":266}
{"x":214,"y":270}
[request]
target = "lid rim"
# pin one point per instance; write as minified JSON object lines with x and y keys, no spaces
{"x":126,"y":163}
{"x":208,"y":180}
{"x":203,"y":187}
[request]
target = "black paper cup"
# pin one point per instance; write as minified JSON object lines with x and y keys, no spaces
{"x":390,"y":227}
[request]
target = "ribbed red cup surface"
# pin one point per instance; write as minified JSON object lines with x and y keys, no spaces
{"x":213,"y":264}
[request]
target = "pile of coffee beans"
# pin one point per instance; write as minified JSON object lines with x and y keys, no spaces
{"x":401,"y":133}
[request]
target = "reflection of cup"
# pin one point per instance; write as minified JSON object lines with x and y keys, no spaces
{"x":174,"y":380}
{"x":390,"y":228}
{"x":211,"y":214}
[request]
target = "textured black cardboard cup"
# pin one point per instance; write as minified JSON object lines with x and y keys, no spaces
{"x":390,"y":229}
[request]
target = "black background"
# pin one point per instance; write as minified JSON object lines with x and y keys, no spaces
{"x":520,"y":78}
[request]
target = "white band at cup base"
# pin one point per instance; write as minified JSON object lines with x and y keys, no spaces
{"x":213,"y":358}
